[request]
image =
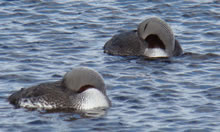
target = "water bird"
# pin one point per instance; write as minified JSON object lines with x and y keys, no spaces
{"x":80,"y":89}
{"x":153,"y":38}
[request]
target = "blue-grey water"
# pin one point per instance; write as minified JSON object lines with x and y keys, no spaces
{"x":40,"y":40}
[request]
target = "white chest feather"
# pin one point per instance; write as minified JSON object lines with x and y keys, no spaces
{"x":155,"y":52}
{"x":92,"y":98}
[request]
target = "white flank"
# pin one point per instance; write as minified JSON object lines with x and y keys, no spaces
{"x":36,"y":104}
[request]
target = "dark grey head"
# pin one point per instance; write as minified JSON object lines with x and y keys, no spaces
{"x":158,"y":35}
{"x":89,"y":87}
{"x":83,"y":77}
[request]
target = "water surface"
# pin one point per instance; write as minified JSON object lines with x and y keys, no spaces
{"x":40,"y":40}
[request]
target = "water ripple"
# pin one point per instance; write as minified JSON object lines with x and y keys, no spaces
{"x":42,"y":39}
